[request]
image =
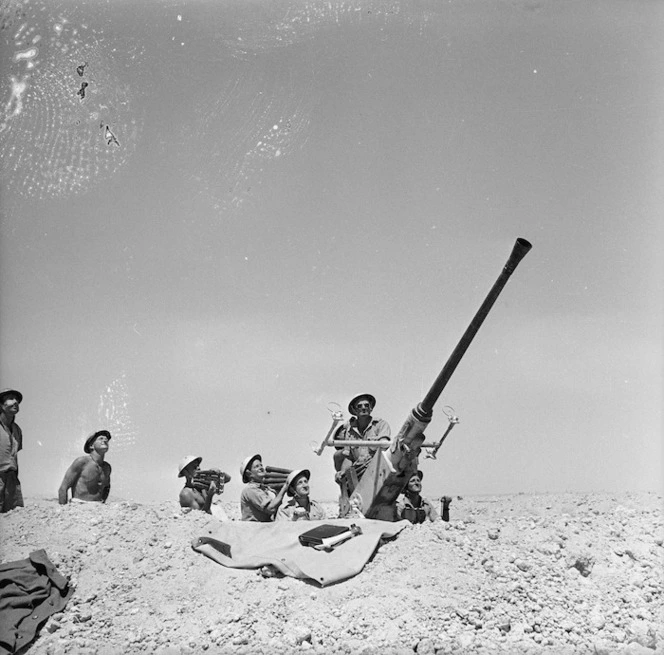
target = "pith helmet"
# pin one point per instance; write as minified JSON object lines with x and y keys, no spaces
{"x":246,"y":465}
{"x":292,"y":479}
{"x":11,"y":392}
{"x":368,"y":396}
{"x":91,"y":439}
{"x":186,"y":461}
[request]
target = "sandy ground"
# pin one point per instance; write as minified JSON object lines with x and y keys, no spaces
{"x":569,"y":573}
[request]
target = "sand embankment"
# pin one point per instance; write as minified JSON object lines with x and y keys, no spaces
{"x":566,"y":573}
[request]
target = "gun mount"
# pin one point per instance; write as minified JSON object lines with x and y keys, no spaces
{"x":435,"y":447}
{"x":390,"y":469}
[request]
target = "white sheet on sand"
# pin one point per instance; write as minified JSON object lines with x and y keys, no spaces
{"x":250,"y":545}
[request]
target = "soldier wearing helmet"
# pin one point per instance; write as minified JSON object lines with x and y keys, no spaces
{"x":361,"y":426}
{"x":11,"y":441}
{"x":88,"y":477}
{"x":258,"y":502}
{"x":300,"y":507}
{"x":412,"y":505}
{"x":191,"y":496}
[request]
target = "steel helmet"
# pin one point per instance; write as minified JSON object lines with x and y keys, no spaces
{"x":368,"y":396}
{"x":293,"y":476}
{"x":246,"y":464}
{"x":11,"y":392}
{"x":186,"y":461}
{"x":87,"y":447}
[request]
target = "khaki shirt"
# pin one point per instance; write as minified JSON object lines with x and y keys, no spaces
{"x":287,"y":512}
{"x":415,"y":513}
{"x":253,"y":501}
{"x":376,"y":430}
{"x":10,"y":443}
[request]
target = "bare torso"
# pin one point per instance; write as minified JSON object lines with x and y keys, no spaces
{"x":88,"y":479}
{"x":190,"y":497}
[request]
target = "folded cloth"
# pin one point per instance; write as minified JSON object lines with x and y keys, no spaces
{"x":252,"y":545}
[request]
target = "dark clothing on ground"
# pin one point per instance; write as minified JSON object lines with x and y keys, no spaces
{"x":31,"y":590}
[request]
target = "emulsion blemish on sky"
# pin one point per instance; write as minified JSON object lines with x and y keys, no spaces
{"x":219,"y":218}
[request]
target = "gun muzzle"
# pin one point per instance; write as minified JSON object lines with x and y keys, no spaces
{"x":519,"y":251}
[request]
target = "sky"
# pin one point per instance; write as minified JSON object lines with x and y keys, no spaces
{"x":219,"y":218}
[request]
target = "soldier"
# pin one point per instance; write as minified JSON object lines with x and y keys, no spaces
{"x":89,"y":477}
{"x":351,"y":461}
{"x":300,"y":507}
{"x":258,"y":502}
{"x":11,"y":441}
{"x":413,"y":506}
{"x":192,"y":496}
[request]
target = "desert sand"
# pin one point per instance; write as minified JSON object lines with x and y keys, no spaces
{"x":564,"y":573}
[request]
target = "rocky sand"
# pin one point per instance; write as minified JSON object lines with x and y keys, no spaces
{"x":565,"y":573}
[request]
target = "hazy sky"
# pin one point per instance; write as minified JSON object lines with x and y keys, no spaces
{"x":219,"y":217}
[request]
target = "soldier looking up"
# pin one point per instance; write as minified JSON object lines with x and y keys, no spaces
{"x":258,"y":502}
{"x":89,"y":477}
{"x":192,"y":495}
{"x":412,"y":505}
{"x":11,"y":441}
{"x":300,"y":507}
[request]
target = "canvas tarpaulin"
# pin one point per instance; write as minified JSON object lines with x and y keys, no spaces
{"x":251,"y":545}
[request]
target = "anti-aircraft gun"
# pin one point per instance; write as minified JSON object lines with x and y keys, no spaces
{"x":388,"y":472}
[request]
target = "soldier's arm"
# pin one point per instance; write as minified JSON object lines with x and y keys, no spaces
{"x":262,"y":500}
{"x":383,"y":430}
{"x":107,"y":489}
{"x":212,"y":489}
{"x":273,"y":505}
{"x":70,"y":479}
{"x":433,"y":514}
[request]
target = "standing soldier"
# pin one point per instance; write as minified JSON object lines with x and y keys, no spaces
{"x":351,"y":461}
{"x":89,"y":477}
{"x":11,"y":441}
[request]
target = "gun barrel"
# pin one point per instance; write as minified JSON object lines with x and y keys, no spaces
{"x":425,"y":408}
{"x":390,"y":471}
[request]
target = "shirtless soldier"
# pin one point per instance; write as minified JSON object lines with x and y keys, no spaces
{"x":89,"y":477}
{"x":191,"y":496}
